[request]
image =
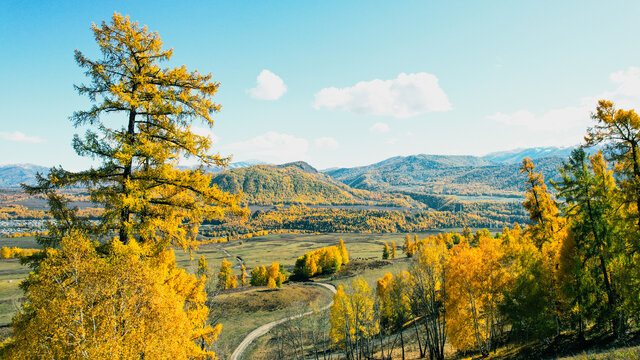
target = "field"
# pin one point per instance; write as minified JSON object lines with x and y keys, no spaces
{"x":282,"y":248}
{"x":286,"y":248}
{"x":241,"y":312}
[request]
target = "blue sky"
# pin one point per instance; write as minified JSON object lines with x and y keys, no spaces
{"x":340,"y":83}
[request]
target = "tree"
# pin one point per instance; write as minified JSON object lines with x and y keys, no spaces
{"x":344,"y":254}
{"x":393,"y":249}
{"x":203,"y":267}
{"x":353,"y":320}
{"x":589,"y":189}
{"x":619,"y":130}
{"x":409,"y":247}
{"x":476,"y":283}
{"x":385,"y":251}
{"x":243,"y":275}
{"x":543,"y":210}
{"x":112,"y":302}
{"x":326,"y":260}
{"x":259,"y":276}
{"x":395,"y":305}
{"x":127,"y":298}
{"x":429,"y":295}
{"x":144,"y":194}
{"x":275,"y":275}
{"x":527,"y":304}
{"x":226,"y":279}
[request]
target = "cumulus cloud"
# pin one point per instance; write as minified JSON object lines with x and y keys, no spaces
{"x":577,"y":117}
{"x":379,"y":127}
{"x":272,"y":147}
{"x":269,"y":86}
{"x":18,"y":136}
{"x":406,"y":96}
{"x":327,"y":143}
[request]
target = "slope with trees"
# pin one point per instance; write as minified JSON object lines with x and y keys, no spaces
{"x":112,"y":288}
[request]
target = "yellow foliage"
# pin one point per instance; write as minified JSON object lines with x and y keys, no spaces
{"x":325,"y":260}
{"x":85,"y":304}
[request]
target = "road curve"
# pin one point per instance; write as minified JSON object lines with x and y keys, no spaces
{"x":237,"y":353}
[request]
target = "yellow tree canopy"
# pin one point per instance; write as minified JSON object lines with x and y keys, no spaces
{"x":144,"y":194}
{"x":81,"y":304}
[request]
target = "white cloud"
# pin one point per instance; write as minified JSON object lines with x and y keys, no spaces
{"x":18,"y":136}
{"x":206,"y":132}
{"x":379,"y":127}
{"x":554,"y":120}
{"x":327,"y":142}
{"x":272,"y":147}
{"x":403,"y":97}
{"x":269,"y":86}
{"x":392,"y":141}
{"x":575,"y":119}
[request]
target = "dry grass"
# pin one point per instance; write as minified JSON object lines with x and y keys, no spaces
{"x":241,"y":312}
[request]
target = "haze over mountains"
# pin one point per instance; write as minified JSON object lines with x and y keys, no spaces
{"x":495,"y":174}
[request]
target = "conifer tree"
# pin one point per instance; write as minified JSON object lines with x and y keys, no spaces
{"x":385,"y":251}
{"x":226,"y":279}
{"x":619,"y":131}
{"x":144,"y":194}
{"x":344,"y":254}
{"x":243,"y":276}
{"x":203,"y":267}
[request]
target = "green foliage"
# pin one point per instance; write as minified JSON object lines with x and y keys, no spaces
{"x":297,"y":183}
{"x":442,"y":174}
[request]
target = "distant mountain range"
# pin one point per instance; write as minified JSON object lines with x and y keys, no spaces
{"x":444,"y":174}
{"x":14,"y":174}
{"x":516,"y":156}
{"x":495,"y":174}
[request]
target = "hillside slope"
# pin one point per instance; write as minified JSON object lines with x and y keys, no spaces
{"x":439,"y":174}
{"x":297,"y":183}
{"x":11,"y":176}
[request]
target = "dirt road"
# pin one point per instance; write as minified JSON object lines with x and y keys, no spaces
{"x":237,"y":353}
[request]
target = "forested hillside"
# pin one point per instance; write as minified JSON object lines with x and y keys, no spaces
{"x":298,"y":183}
{"x":441,"y":174}
{"x":12,"y":175}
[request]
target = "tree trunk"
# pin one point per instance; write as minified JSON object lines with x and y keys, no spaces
{"x":125,"y":213}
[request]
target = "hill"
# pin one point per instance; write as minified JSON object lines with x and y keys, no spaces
{"x":516,"y":156}
{"x":297,"y":183}
{"x":11,"y":176}
{"x":441,"y":174}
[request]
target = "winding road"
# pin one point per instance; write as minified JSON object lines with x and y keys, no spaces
{"x":237,"y":353}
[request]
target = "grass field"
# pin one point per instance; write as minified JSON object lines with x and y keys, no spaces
{"x":286,"y":248}
{"x":263,"y":250}
{"x":242,"y":312}
{"x":370,"y":270}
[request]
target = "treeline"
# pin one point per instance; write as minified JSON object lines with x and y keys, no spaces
{"x":574,"y":267}
{"x":326,"y":260}
{"x":303,"y":218}
{"x":20,"y":212}
{"x":16,"y":252}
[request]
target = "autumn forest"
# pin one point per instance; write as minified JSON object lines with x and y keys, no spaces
{"x":165,"y":248}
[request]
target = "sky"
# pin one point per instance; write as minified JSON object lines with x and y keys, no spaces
{"x":338,"y":83}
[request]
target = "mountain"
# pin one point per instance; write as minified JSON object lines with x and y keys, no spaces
{"x":11,"y":176}
{"x":233,"y":165}
{"x":297,"y":183}
{"x":444,"y":174}
{"x":515,"y":156}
